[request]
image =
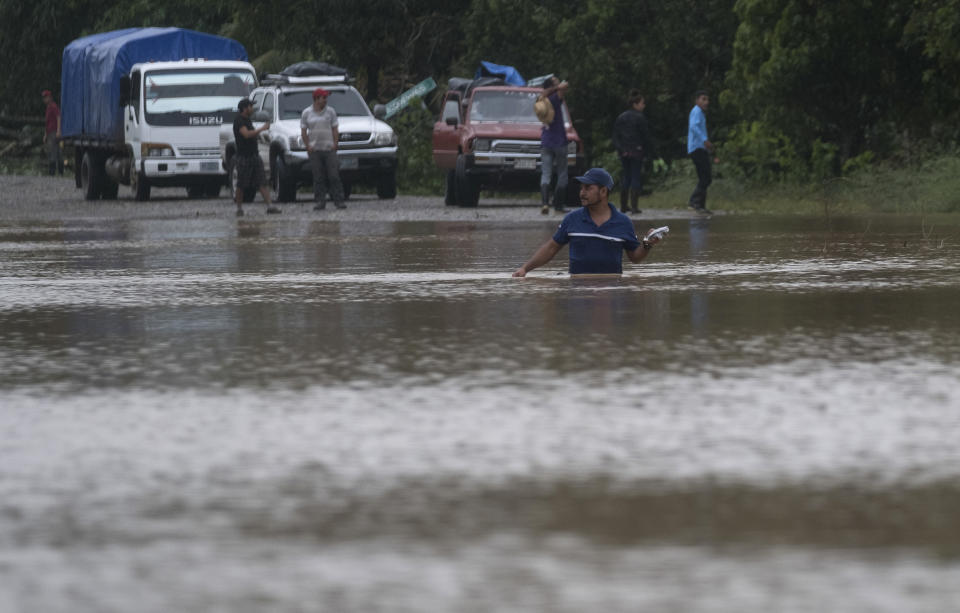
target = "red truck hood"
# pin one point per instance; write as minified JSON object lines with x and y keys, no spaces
{"x":521,"y":131}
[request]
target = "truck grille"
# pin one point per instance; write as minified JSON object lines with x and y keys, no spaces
{"x":352,"y":137}
{"x":515,"y":146}
{"x":200,"y":152}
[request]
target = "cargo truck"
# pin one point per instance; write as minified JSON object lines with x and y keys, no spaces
{"x":143,"y":107}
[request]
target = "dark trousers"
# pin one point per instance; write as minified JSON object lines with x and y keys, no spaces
{"x":632,"y":172}
{"x":701,"y":160}
{"x":54,"y":154}
{"x":326,"y":171}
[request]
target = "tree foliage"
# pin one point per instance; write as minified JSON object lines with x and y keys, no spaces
{"x":806,"y":86}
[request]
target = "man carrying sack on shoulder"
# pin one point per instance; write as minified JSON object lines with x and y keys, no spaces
{"x":553,"y":143}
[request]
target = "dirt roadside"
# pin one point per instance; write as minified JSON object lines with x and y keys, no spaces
{"x":44,"y":198}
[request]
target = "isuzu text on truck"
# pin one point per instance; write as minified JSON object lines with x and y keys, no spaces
{"x":143,"y":107}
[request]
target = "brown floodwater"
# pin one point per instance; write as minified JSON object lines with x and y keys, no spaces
{"x":293,"y":414}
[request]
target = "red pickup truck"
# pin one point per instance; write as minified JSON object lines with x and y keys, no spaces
{"x":488,"y":137}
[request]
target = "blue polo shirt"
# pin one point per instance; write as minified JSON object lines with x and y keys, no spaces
{"x":593,"y":249}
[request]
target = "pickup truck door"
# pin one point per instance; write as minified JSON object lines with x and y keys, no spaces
{"x":446,"y":137}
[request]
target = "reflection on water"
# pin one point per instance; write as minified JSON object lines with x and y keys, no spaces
{"x":210,"y":415}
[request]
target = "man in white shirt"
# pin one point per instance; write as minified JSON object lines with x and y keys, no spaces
{"x":318,"y":128}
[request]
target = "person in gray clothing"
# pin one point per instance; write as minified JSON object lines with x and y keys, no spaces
{"x":318,"y":128}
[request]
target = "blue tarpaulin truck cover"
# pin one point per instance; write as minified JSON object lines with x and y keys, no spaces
{"x":507,"y":73}
{"x":93,"y":66}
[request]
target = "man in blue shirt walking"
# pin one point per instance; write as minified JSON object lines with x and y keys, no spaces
{"x":598,"y":233}
{"x":699,"y":148}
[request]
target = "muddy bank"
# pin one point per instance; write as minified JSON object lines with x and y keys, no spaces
{"x":57,"y":198}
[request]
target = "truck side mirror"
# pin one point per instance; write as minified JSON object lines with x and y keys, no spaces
{"x":124,"y":91}
{"x":261,"y":116}
{"x":452,"y":121}
{"x":380,"y":111}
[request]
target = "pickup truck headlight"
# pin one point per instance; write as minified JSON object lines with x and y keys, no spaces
{"x":385,"y":139}
{"x":296,"y":143}
{"x":481,"y":144}
{"x":156,"y":150}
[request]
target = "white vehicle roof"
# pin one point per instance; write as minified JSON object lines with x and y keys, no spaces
{"x":193,"y":63}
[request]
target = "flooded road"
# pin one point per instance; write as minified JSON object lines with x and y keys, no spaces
{"x":363,"y":412}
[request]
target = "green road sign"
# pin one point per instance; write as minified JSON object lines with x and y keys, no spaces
{"x":417,"y":91}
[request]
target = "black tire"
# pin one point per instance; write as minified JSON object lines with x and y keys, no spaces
{"x":573,"y":193}
{"x":110,"y":189}
{"x":212,"y":189}
{"x":468,"y":188}
{"x":77,"y":165}
{"x":91,"y":175}
{"x":450,"y":191}
{"x":387,"y":185}
{"x":347,"y":189}
{"x":284,"y":186}
{"x":195,"y":192}
{"x":138,"y":183}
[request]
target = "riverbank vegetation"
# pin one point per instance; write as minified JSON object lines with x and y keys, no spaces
{"x":855,"y":103}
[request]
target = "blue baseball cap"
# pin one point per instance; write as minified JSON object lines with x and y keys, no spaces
{"x":596,"y":176}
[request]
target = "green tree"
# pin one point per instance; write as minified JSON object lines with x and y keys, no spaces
{"x":32,"y":38}
{"x":823,"y":70}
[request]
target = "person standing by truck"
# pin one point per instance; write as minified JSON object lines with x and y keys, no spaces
{"x":631,"y":138}
{"x":553,"y":147}
{"x":250,"y":172}
{"x":51,"y":139}
{"x":320,"y":133}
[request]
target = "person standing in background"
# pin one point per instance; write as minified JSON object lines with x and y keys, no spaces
{"x":51,"y":139}
{"x":320,"y":133}
{"x":700,"y":148}
{"x":631,"y":138}
{"x":250,"y":173}
{"x":553,"y":147}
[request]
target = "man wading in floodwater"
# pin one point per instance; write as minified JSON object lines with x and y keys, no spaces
{"x":597,"y":232}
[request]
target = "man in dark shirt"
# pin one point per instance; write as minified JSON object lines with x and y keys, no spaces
{"x":553,"y":147}
{"x":597,"y":232}
{"x":250,"y":172}
{"x":631,"y":138}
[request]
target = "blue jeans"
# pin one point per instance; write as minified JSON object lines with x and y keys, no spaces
{"x":553,"y":160}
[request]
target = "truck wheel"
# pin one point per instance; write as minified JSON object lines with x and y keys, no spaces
{"x":284,"y":186}
{"x":91,"y":175}
{"x":110,"y":189}
{"x":195,"y":192}
{"x":347,"y":189}
{"x":573,"y":193}
{"x":468,"y":188}
{"x":387,"y":185}
{"x":139,"y":184}
{"x":450,"y":191}
{"x":212,"y":189}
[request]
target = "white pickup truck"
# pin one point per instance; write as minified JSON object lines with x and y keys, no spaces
{"x":367,"y":149}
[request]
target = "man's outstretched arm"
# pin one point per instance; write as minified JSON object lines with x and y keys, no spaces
{"x":543,"y":255}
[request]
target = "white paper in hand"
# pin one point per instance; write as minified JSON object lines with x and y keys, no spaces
{"x":659,"y":232}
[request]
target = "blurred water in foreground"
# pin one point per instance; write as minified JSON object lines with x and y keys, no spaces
{"x":294,"y":415}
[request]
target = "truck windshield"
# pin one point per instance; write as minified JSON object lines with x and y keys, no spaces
{"x":194,"y":97}
{"x":503,"y":107}
{"x":346,"y":102}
